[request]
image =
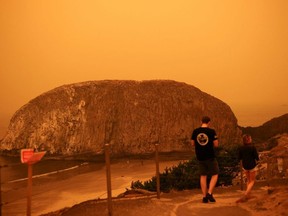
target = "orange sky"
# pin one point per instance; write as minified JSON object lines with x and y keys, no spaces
{"x":236,"y":51}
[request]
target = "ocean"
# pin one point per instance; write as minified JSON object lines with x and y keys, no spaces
{"x":13,"y":170}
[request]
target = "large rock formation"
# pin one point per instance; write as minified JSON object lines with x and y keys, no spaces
{"x":130,"y":115}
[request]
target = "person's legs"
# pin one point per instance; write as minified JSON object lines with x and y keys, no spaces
{"x":247,"y":174}
{"x":208,"y":167}
{"x":213,"y":170}
{"x":250,"y":181}
{"x":212,"y":183}
{"x":203,"y":184}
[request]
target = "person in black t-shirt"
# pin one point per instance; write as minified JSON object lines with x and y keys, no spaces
{"x":204,"y":139}
{"x":248,"y":157}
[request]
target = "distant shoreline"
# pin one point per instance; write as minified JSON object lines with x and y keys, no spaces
{"x":91,"y":157}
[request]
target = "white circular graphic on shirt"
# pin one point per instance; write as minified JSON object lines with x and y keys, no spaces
{"x":202,"y":139}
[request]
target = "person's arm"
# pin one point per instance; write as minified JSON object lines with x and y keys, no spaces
{"x":193,"y":139}
{"x":215,"y":143}
{"x":256,"y":155}
{"x":215,"y":140}
{"x":193,"y":143}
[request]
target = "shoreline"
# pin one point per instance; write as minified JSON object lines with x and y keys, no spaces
{"x":76,"y":186}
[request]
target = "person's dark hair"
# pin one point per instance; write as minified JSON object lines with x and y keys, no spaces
{"x":205,"y":119}
{"x":247,"y":139}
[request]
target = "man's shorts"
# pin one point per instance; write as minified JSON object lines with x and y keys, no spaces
{"x":251,"y":170}
{"x":209,"y":167}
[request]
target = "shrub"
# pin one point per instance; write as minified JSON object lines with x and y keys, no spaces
{"x":186,"y":174}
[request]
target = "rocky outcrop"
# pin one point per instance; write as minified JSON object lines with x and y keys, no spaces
{"x":281,"y":149}
{"x":269,"y":129}
{"x":130,"y":115}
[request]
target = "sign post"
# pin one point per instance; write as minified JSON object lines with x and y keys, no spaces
{"x":157,"y":170}
{"x":29,"y":157}
{"x":1,"y":188}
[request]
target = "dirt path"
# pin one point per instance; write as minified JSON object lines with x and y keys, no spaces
{"x":184,"y":203}
{"x":265,"y":202}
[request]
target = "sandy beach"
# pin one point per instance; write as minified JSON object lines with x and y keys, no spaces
{"x":50,"y":195}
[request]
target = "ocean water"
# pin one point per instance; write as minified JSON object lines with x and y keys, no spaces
{"x":12,"y":169}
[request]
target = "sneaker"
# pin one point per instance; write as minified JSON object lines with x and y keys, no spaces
{"x":210,"y":197}
{"x":205,"y":200}
{"x":242,"y":199}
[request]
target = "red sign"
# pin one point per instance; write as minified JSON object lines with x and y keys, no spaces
{"x":30,"y":157}
{"x":26,"y":154}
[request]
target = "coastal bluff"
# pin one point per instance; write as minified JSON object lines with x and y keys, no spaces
{"x":130,"y":115}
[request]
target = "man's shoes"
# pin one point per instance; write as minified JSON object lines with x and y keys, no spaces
{"x":205,"y":200}
{"x":242,"y":199}
{"x":210,"y":197}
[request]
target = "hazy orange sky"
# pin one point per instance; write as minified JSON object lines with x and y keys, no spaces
{"x":236,"y":50}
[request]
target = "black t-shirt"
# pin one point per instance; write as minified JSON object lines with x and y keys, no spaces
{"x":203,"y":138}
{"x":249,"y":155}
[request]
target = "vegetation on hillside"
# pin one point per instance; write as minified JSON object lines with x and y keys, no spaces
{"x":269,"y":129}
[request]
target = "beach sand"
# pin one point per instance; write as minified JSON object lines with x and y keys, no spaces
{"x":76,"y":187}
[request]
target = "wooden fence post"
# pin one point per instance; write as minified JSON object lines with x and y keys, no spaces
{"x":108,"y":178}
{"x":29,"y":188}
{"x":268,"y":176}
{"x":1,"y":204}
{"x":157,"y":170}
